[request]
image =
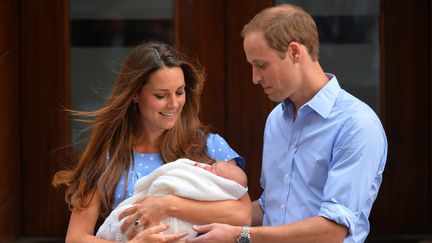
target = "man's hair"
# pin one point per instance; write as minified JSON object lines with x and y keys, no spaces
{"x":284,"y":24}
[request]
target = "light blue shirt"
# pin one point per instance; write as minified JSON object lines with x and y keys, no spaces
{"x":143,"y":164}
{"x":328,"y":162}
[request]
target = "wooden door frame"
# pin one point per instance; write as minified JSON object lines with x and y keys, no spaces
{"x":403,"y":207}
{"x":45,"y":82}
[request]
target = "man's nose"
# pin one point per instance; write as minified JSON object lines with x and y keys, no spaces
{"x":256,"y":76}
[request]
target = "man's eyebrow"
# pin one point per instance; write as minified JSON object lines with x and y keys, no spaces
{"x":257,"y":60}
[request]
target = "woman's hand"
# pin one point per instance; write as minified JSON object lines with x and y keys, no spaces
{"x":147,"y":212}
{"x":152,"y":235}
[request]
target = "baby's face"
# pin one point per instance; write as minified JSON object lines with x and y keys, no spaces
{"x":212,"y":168}
{"x":226,"y":170}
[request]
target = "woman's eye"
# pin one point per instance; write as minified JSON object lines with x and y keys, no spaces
{"x":159,"y":96}
{"x":179,"y":93}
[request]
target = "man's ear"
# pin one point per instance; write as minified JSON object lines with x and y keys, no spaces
{"x":294,"y":51}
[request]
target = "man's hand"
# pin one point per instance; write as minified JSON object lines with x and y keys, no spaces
{"x":216,"y":233}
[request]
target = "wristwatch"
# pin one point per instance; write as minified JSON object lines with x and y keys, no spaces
{"x":244,"y":235}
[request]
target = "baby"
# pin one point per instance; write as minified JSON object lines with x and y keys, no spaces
{"x":185,"y":178}
{"x":225,"y":170}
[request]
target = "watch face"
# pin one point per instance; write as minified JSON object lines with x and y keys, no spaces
{"x":244,"y":239}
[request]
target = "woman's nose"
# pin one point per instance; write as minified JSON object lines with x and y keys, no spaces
{"x":173,"y":102}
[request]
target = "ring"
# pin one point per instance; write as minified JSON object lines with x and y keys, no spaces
{"x":137,"y":223}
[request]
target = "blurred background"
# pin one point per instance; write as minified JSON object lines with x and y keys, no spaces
{"x":57,"y":54}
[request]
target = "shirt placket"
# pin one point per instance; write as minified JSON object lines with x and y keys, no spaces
{"x":287,"y":177}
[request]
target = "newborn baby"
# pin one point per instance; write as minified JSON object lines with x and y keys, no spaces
{"x":225,"y":170}
{"x":185,"y":178}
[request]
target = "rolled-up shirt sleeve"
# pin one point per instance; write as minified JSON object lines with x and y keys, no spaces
{"x":355,"y":172}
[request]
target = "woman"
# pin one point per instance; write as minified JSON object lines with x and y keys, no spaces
{"x":150,"y":119}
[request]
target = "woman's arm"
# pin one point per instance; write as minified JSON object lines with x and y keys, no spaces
{"x":234,"y":212}
{"x":82,"y":223}
{"x":257,"y":214}
{"x":152,"y":209}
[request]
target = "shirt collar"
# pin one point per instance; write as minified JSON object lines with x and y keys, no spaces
{"x":324,"y":100}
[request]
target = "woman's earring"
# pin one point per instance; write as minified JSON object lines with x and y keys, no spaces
{"x":135,"y":108}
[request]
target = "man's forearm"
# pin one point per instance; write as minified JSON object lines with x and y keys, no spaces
{"x":316,"y":229}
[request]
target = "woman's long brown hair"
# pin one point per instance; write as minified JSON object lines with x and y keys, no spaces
{"x":109,"y":151}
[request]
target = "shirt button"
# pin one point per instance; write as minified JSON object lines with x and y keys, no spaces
{"x":282,"y":205}
{"x":293,"y":146}
{"x":286,"y":177}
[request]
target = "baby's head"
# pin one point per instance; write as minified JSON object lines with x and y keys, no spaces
{"x":229,"y":171}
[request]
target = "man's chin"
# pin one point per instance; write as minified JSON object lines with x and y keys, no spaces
{"x":275,"y":98}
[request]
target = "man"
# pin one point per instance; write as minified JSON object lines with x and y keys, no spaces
{"x":324,"y":150}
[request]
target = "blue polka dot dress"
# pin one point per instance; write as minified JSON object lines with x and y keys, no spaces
{"x":217,"y":149}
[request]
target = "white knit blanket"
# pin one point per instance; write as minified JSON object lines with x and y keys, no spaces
{"x":182,"y":178}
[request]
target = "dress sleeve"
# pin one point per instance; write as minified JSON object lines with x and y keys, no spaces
{"x":218,"y":149}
